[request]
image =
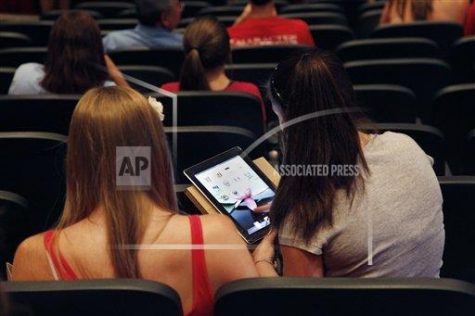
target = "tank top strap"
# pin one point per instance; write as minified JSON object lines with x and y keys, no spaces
{"x":59,"y":266}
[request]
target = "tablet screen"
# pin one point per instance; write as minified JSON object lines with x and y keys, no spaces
{"x":239,"y":190}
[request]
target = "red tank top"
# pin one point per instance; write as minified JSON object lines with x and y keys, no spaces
{"x":202,"y":295}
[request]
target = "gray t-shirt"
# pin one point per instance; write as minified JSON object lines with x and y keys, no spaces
{"x":396,"y":224}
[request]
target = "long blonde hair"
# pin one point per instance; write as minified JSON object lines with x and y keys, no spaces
{"x":104,"y":119}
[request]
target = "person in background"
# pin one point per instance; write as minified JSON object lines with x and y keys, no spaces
{"x":405,"y":11}
{"x":157,"y":19}
{"x":469,"y":27}
{"x":75,"y":61}
{"x":103,"y":225}
{"x":376,"y":211}
{"x":260,"y":25}
{"x":207,"y":50}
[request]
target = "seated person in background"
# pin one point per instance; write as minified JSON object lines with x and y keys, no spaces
{"x":207,"y":49}
{"x":376,"y":211}
{"x":406,"y":11}
{"x":157,"y":19}
{"x":469,"y":27}
{"x":260,"y":25}
{"x":75,"y":61}
{"x":103,"y":224}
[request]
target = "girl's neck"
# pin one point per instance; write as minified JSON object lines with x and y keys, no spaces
{"x":217,"y":79}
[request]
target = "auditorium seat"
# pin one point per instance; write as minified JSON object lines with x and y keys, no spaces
{"x":265,"y":54}
{"x":14,"y":226}
{"x":195,"y":144}
{"x":329,"y":37}
{"x":429,"y":138}
{"x":459,"y":219}
{"x":53,"y":15}
{"x":45,"y":113}
{"x":191,"y":8}
{"x":12,"y":39}
{"x":387,"y":103}
{"x":14,"y":57}
{"x":234,"y":11}
{"x":6,"y":76}
{"x":443,"y":33}
{"x":167,"y":58}
{"x":424,"y":76}
{"x":370,"y":6}
{"x":367,"y":22}
{"x":469,"y":166}
{"x":152,"y":75}
{"x":343,"y":297}
{"x":31,"y":165}
{"x":134,"y":297}
{"x":387,"y":48}
{"x":462,"y":59}
{"x":454,"y":114}
{"x":256,"y":73}
{"x":312,"y":7}
{"x":107,"y":25}
{"x":215,"y":108}
{"x":108,"y":9}
{"x":38,"y":31}
{"x":318,"y":18}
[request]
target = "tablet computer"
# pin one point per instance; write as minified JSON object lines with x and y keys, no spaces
{"x":235,"y":187}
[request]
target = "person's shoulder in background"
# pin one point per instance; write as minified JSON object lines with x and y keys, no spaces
{"x":27,"y":80}
{"x":173,"y":86}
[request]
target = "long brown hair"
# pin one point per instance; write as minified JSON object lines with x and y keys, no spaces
{"x":301,"y":85}
{"x":206,"y":44}
{"x":420,"y":9}
{"x":104,"y":119}
{"x":75,"y":60}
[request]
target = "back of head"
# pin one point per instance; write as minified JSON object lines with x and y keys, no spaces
{"x":420,"y":9}
{"x":149,"y":11}
{"x":105,"y":121}
{"x":301,"y":88}
{"x":206,"y":44}
{"x":75,"y":60}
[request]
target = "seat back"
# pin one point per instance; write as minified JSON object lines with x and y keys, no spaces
{"x":53,"y":15}
{"x":423,"y":76}
{"x":443,"y":33}
{"x":195,"y":144}
{"x":221,"y":11}
{"x":469,"y":166}
{"x":108,"y":9}
{"x":14,"y":225}
{"x":388,"y":48}
{"x":258,"y":74}
{"x":454,"y":114}
{"x":94,"y":297}
{"x":462,"y":59}
{"x":12,"y":39}
{"x":342,"y":297}
{"x":14,"y":57}
{"x":153,"y":75}
{"x":170,"y":59}
{"x":6,"y":77}
{"x":329,"y":37}
{"x":107,"y":25}
{"x":46,"y":113}
{"x":197,"y":108}
{"x":31,"y":164}
{"x":317,"y":18}
{"x":459,"y":216}
{"x":265,"y":54}
{"x":387,"y":103}
{"x":37,"y":31}
{"x":367,"y":23}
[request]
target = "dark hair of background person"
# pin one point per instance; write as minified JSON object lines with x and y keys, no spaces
{"x":149,"y":12}
{"x":304,"y":84}
{"x":260,"y":2}
{"x":420,"y":8}
{"x":75,"y":60}
{"x":206,"y":44}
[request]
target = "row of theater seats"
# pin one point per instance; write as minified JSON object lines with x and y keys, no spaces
{"x":262,"y":296}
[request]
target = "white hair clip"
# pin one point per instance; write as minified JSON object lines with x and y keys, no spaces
{"x":157,"y":106}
